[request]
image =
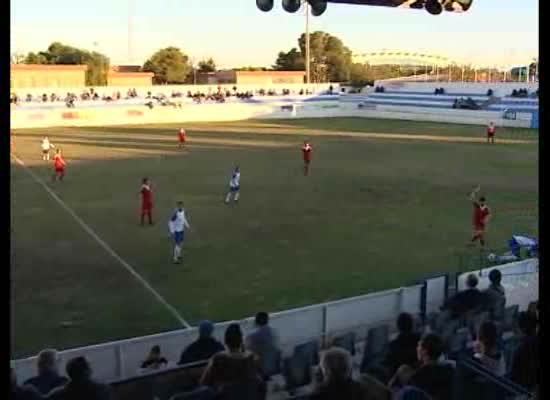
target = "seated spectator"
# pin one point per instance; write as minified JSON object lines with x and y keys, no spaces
{"x":466,"y":300}
{"x":433,"y":377}
{"x":526,"y":360}
{"x":263,"y":339}
{"x":486,"y":349}
{"x":28,"y":98}
{"x":337,"y":383}
{"x":44,"y":98}
{"x":402,"y":350}
{"x":22,"y":392}
{"x":204,"y":347}
{"x":81,"y":385}
{"x":48,"y":377}
{"x":154,"y":360}
{"x":234,"y":368}
{"x":495,"y":295}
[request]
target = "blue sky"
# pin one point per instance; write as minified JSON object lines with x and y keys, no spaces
{"x":235,"y":33}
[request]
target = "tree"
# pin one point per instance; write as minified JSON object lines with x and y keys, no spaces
{"x":251,"y":68}
{"x":291,"y":61}
{"x":34,"y":58}
{"x":330,"y":60}
{"x":360,"y":73}
{"x":170,"y":65}
{"x":58,"y":53}
{"x":207,"y":65}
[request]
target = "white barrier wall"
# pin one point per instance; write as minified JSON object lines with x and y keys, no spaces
{"x":121,"y":359}
{"x":436,"y":293}
{"x":129,"y":115}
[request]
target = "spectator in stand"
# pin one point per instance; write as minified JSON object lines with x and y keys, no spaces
{"x":526,"y":360}
{"x":22,"y":392}
{"x":337,"y":383}
{"x":433,"y":377}
{"x":495,"y":296}
{"x":204,"y":347}
{"x":486,"y":350}
{"x":263,"y":339}
{"x":466,"y":300}
{"x":234,"y":370}
{"x":81,"y":385}
{"x":48,"y":377}
{"x":154,"y":360}
{"x":402,"y":350}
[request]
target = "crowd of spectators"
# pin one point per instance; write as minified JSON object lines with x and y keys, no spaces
{"x":521,"y":93}
{"x":418,"y":361}
{"x":198,"y":96}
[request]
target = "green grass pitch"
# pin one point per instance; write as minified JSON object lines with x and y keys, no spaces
{"x":385,"y":204}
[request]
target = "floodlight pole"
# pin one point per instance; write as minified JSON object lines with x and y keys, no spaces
{"x":129,"y":44}
{"x":308,"y":71}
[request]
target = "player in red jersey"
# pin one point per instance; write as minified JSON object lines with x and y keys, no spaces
{"x":182,"y":137}
{"x":491,"y":130}
{"x":481,"y":216}
{"x":59,"y":165}
{"x":146,"y":201}
{"x":306,"y":153}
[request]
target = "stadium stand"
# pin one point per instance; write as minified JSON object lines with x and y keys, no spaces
{"x":310,"y":367}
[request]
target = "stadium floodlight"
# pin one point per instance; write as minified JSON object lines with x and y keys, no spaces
{"x":434,"y":7}
{"x":265,"y":5}
{"x":318,"y":7}
{"x":292,"y":6}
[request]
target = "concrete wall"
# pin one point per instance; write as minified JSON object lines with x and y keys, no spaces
{"x":132,"y":80}
{"x":139,"y":114}
{"x":46,"y":77}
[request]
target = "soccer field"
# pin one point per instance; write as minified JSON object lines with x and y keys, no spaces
{"x":385,"y":204}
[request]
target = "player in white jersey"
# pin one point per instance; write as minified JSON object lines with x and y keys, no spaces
{"x":46,"y":146}
{"x":234,"y":186}
{"x":177,"y":225}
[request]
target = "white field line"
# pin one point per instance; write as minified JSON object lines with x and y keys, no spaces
{"x":106,"y":247}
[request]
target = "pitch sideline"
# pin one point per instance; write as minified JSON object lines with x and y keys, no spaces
{"x":106,"y":247}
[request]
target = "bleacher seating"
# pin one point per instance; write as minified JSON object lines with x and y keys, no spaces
{"x":299,"y":371}
{"x":295,"y":373}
